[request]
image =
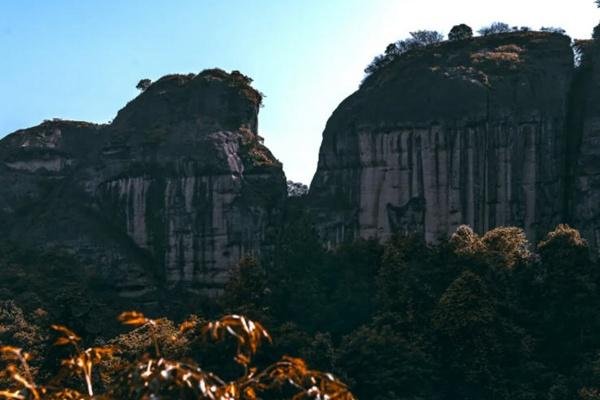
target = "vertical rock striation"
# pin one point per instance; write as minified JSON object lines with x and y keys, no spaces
{"x":175,"y":190}
{"x":467,"y":132}
{"x":584,"y":193}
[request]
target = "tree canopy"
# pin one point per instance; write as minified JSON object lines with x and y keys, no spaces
{"x":460,"y":32}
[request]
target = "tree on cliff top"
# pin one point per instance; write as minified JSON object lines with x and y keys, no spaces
{"x":296,"y":189}
{"x":553,"y":29}
{"x":460,"y":32}
{"x":494,"y":28}
{"x":425,"y":38}
{"x":596,"y":33}
{"x":143,"y":84}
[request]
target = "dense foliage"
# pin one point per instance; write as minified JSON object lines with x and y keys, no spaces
{"x":477,"y":317}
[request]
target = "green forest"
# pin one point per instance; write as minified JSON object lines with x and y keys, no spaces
{"x":477,"y":316}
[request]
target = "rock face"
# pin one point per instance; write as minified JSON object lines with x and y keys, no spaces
{"x":175,"y":190}
{"x":585,"y":154}
{"x":467,"y":132}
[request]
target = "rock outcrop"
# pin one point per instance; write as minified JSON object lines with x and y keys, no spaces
{"x":489,"y":131}
{"x":467,"y":132}
{"x":175,"y":190}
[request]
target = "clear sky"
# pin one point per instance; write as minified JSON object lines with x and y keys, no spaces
{"x":81,"y":59}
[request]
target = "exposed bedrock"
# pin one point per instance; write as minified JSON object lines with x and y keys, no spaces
{"x":468,"y":132}
{"x":174,"y":191}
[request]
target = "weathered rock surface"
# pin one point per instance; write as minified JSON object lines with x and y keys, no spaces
{"x":467,"y":132}
{"x":585,"y":155}
{"x":175,"y":190}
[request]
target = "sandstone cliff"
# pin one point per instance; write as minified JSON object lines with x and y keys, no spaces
{"x":466,"y":132}
{"x":174,"y":190}
{"x":584,"y":192}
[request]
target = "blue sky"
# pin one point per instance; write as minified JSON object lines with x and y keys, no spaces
{"x":81,"y":59}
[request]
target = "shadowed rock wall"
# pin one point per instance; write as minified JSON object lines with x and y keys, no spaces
{"x":585,"y":154}
{"x":469,"y":132}
{"x":173,"y":192}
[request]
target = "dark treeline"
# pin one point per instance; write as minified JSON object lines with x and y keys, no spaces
{"x":476,"y":317}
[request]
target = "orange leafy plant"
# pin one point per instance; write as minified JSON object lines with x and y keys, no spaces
{"x":24,"y":378}
{"x":248,"y":334}
{"x":155,"y":377}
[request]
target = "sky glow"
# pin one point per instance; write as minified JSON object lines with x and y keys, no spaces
{"x":82,"y":59}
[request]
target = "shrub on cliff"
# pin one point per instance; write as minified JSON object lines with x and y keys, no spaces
{"x":417,"y":39}
{"x":425,"y":38}
{"x":460,"y":32}
{"x":553,"y":29}
{"x":296,"y":189}
{"x":495,"y":28}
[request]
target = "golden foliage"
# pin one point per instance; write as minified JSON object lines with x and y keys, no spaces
{"x":563,"y":234}
{"x":509,"y":55}
{"x":85,"y":361}
{"x":257,"y":152}
{"x":465,"y":241}
{"x":21,"y":377}
{"x":134,"y":318}
{"x":155,"y":377}
{"x":507,"y":244}
{"x":502,"y":246}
